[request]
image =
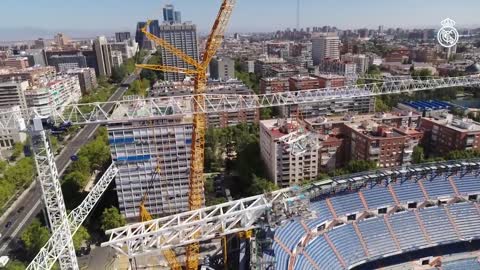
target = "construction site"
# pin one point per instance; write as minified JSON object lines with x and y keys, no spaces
{"x":157,"y":146}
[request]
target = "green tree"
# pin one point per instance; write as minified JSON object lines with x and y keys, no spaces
{"x":380,"y":105}
{"x":15,"y":265}
{"x":53,"y":143}
{"x":374,"y":70}
{"x":266,"y":113}
{"x":418,"y":155}
{"x":79,"y":178}
{"x":260,"y":185}
{"x":21,"y":174}
{"x":3,"y":165}
{"x":118,"y":74}
{"x":422,"y":73}
{"x":111,"y":218}
{"x":35,"y":237}
{"x":80,"y":237}
{"x":17,"y":151}
{"x":97,"y":152}
{"x":6,"y":191}
{"x":356,"y":166}
{"x":81,"y":165}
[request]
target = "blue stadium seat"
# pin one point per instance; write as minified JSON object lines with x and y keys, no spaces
{"x":322,"y":254}
{"x":347,"y":204}
{"x":408,"y":191}
{"x":376,"y":236}
{"x":407,"y":231}
{"x":302,"y":263}
{"x":290,"y":233}
{"x":470,"y":264}
{"x":320,"y":207}
{"x":468,"y":184}
{"x":439,"y":187}
{"x":281,"y":257}
{"x":467,"y":219}
{"x":378,"y":196}
{"x":432,"y":217}
{"x":346,"y":241}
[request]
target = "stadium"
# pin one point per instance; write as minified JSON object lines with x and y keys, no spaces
{"x":423,"y":217}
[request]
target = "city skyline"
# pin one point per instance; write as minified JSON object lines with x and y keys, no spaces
{"x":107,"y":16}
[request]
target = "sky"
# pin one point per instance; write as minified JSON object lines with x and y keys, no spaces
{"x":43,"y":17}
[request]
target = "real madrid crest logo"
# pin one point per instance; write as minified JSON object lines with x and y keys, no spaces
{"x":448,"y":35}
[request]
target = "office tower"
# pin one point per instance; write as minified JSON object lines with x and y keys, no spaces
{"x":184,"y":37}
{"x":61,"y":39}
{"x":122,"y":36}
{"x":40,"y":43}
{"x":62,"y":63}
{"x":137,"y":148}
{"x":170,"y":15}
{"x":104,"y":56}
{"x":36,"y":57}
{"x":143,"y":42}
{"x":325,"y":45}
{"x":222,"y":68}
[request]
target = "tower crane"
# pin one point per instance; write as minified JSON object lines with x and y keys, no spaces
{"x":215,"y":39}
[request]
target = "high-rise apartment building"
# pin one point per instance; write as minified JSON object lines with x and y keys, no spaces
{"x":361,"y":60}
{"x":61,"y":40}
{"x":104,"y":56}
{"x":325,"y":46}
{"x":122,"y":36}
{"x":183,"y":37}
{"x":170,"y":15}
{"x":137,"y":148}
{"x":32,"y":74}
{"x":16,"y":62}
{"x":13,"y":94}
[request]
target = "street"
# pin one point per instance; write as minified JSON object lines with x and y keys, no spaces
{"x":32,"y":201}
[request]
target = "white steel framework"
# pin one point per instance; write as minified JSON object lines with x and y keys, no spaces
{"x":147,"y":109}
{"x":210,"y":222}
{"x":49,"y":253}
{"x":52,"y":196}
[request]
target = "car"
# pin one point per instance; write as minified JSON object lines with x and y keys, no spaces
{"x":20,"y":210}
{"x":8,"y":224}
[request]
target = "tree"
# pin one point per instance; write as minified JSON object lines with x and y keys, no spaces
{"x":380,"y":105}
{"x":418,"y":155}
{"x":356,"y":166}
{"x":53,"y":143}
{"x":35,"y":237}
{"x":111,"y":218}
{"x":15,"y":265}
{"x":6,"y":191}
{"x":260,"y":185}
{"x":80,"y":237}
{"x":3,"y":165}
{"x":266,"y":113}
{"x":21,"y":174}
{"x":17,"y":151}
{"x":82,"y":165}
{"x":79,"y":178}
{"x":118,"y":73}
{"x":97,"y":152}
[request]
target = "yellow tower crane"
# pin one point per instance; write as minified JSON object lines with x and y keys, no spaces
{"x":215,"y":39}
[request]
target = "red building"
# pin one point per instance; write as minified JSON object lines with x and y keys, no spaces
{"x":274,"y":85}
{"x":301,"y":82}
{"x":330,"y":80}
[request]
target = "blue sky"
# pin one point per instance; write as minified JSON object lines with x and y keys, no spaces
{"x":250,"y":15}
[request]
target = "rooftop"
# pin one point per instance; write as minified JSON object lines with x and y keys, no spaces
{"x":458,"y":124}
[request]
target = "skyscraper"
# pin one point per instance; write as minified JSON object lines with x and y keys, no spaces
{"x":170,"y":15}
{"x":61,"y":39}
{"x":325,"y":45}
{"x":184,"y":37}
{"x":104,"y":56}
{"x":122,"y":36}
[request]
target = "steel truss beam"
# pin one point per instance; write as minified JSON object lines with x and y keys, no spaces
{"x":197,"y":225}
{"x":49,"y":253}
{"x":215,"y":103}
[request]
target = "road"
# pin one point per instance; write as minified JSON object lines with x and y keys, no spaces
{"x":32,"y":201}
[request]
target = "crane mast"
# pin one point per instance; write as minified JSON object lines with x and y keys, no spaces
{"x":215,"y":39}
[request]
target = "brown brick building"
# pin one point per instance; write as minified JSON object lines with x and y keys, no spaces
{"x":274,"y":85}
{"x":445,"y":134}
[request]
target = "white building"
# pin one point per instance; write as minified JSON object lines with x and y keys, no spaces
{"x":128,"y":48}
{"x":13,"y":94}
{"x":60,"y":91}
{"x":361,"y":60}
{"x":222,"y":68}
{"x":325,"y":45}
{"x":104,"y":56}
{"x":285,"y":168}
{"x":117,"y":59}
